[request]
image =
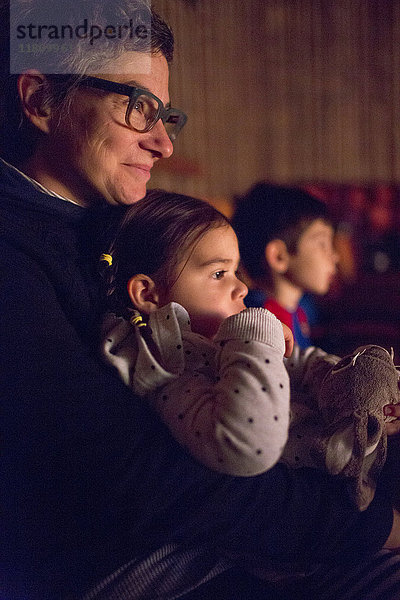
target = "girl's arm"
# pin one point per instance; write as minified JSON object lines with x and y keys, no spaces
{"x":234,"y":420}
{"x":307,"y":369}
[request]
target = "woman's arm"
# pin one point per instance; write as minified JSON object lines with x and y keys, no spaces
{"x":91,"y":479}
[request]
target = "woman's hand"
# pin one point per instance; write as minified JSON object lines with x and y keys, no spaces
{"x":289,"y":341}
{"x":392,"y":410}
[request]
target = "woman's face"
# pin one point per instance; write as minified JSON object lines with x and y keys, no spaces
{"x":90,"y":153}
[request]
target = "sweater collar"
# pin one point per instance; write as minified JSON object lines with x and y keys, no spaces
{"x":38,"y":186}
{"x":20,"y":189}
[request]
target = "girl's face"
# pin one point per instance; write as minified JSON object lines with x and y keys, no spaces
{"x":207,"y":284}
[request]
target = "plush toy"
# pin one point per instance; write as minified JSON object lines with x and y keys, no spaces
{"x":344,"y":432}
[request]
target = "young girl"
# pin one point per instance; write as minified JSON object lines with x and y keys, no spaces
{"x":181,"y":336}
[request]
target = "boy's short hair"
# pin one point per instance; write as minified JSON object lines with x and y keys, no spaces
{"x":269,"y":212}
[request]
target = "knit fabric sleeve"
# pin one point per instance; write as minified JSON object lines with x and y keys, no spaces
{"x":234,"y":420}
{"x":307,"y":369}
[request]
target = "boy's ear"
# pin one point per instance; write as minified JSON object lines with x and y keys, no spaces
{"x":32,"y":90}
{"x":277,"y":256}
{"x":143,"y":293}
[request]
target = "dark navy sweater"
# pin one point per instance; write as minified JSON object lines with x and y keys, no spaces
{"x":90,"y":478}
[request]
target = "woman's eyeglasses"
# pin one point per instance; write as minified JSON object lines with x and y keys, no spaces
{"x":144,"y":108}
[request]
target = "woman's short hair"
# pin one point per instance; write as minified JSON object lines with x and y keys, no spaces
{"x":17,"y":136}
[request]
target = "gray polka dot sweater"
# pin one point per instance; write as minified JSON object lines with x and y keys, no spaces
{"x":226,"y":400}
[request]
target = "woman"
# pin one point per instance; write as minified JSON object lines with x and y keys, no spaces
{"x":97,"y":498}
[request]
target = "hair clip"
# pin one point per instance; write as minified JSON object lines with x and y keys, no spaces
{"x":137,"y":319}
{"x":107,"y":258}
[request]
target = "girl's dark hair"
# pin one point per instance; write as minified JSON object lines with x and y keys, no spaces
{"x":153,"y":238}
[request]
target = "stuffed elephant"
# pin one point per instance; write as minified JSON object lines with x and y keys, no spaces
{"x":344,"y":432}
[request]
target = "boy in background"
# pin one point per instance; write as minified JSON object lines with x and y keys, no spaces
{"x":286,"y":244}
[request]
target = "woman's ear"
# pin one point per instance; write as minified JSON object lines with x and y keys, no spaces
{"x":277,"y":256}
{"x":33,"y":94}
{"x":143,"y":293}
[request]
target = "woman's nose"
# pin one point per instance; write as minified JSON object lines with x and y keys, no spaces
{"x":157,"y":141}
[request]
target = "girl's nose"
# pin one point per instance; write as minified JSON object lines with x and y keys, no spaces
{"x":241,"y":289}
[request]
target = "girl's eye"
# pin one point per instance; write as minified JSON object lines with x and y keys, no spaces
{"x":218,"y":274}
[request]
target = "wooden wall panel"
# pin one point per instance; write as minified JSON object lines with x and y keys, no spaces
{"x":285,"y":90}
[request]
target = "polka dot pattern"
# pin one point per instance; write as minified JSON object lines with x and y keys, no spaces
{"x":254,"y":421}
{"x":228,"y":403}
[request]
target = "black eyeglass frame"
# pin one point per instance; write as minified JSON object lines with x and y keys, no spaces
{"x":178,"y":117}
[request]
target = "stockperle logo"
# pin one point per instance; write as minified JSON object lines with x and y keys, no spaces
{"x":46,"y":36}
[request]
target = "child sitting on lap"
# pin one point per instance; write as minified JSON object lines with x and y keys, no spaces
{"x":183,"y":338}
{"x":180,"y":335}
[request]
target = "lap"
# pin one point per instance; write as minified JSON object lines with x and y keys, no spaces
{"x":375,"y":578}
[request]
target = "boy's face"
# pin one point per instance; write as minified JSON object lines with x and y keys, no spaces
{"x":313,"y":266}
{"x":207,"y":284}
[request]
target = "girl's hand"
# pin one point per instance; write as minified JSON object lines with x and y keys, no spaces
{"x":392,"y":410}
{"x":289,"y":341}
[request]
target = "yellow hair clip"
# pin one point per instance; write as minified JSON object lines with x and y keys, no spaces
{"x":107,"y":258}
{"x":137,"y":319}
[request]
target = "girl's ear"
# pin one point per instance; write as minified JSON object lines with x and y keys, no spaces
{"x":277,"y":256}
{"x":32,"y":86}
{"x":143,"y":293}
